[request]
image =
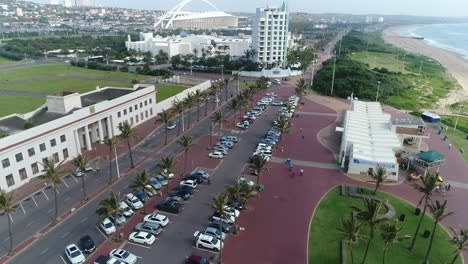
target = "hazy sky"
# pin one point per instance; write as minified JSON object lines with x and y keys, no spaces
{"x":407,"y":7}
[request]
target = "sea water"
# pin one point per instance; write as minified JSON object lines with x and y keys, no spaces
{"x":451,"y":37}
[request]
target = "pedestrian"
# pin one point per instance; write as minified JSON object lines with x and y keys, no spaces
{"x":450,"y":145}
{"x":448,"y":186}
{"x":281,"y":149}
{"x":303,"y":137}
{"x":302,"y":172}
{"x":288,"y":161}
{"x":291,"y":166}
{"x":293,"y":173}
{"x":98,"y":171}
{"x":300,"y":129}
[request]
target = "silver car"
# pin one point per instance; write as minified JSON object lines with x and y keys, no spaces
{"x":148,"y":227}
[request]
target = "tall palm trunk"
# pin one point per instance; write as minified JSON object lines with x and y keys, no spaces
{"x":413,"y":242}
{"x":350,"y":245}
{"x":198,"y":112}
{"x":227,"y":92}
{"x":206,"y":106}
{"x":110,"y":165}
{"x":165,"y":136}
{"x":83,"y":187}
{"x":426,"y":258}
{"x":185,"y":162}
{"x":368,"y":246}
{"x":180,"y":123}
{"x":221,"y":244}
{"x":384,"y":255}
{"x":56,"y":203}
{"x":454,"y":259}
{"x":189,"y":115}
{"x":132,"y":165}
{"x":10,"y":234}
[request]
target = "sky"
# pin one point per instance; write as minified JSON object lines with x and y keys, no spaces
{"x":384,"y":7}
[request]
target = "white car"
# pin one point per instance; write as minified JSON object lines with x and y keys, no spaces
{"x":126,"y":211}
{"x":189,"y":183}
{"x":157,"y":219}
{"x":107,"y":226}
{"x":74,"y":254}
{"x":227,"y":218}
{"x":171,"y":125}
{"x":216,"y":155}
{"x":277,"y":103}
{"x":276,"y":81}
{"x":113,"y":261}
{"x":123,"y":255}
{"x":243,"y":180}
{"x":142,"y":238}
{"x":133,"y":201}
{"x":207,"y":241}
{"x":167,"y":174}
{"x":232,"y":211}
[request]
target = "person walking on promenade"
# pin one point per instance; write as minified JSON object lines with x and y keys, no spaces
{"x":450,"y":145}
{"x":293,"y":173}
{"x":302,"y":172}
{"x":291,"y":166}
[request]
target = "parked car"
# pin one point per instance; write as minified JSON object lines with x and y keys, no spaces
{"x":142,"y":238}
{"x":216,"y":155}
{"x":155,"y":183}
{"x":148,"y":227}
{"x":167,"y":174}
{"x":120,"y":220}
{"x":213,"y":231}
{"x":78,"y":173}
{"x":133,"y":201}
{"x":123,"y":255}
{"x":107,"y":226}
{"x":197,"y":178}
{"x":225,"y":227}
{"x":170,"y":206}
{"x":231,"y":210}
{"x":229,"y":144}
{"x":276,"y":81}
{"x":74,"y":254}
{"x":195,"y":259}
{"x":87,"y":244}
{"x":187,"y":188}
{"x":236,"y":204}
{"x":157,"y":219}
{"x":224,"y":150}
{"x":207,"y":241}
{"x":126,"y":211}
{"x":189,"y":183}
{"x":228,"y":218}
{"x":161,"y":179}
{"x":171,"y":125}
{"x":183,"y":193}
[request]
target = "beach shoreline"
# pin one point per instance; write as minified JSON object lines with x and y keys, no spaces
{"x":455,"y":64}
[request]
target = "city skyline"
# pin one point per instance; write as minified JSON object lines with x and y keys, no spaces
{"x":358,"y":7}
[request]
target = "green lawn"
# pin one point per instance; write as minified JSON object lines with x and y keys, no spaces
{"x":19,"y":104}
{"x":167,"y":91}
{"x":459,"y":141}
{"x":63,"y":84}
{"x":325,"y":248}
{"x":380,"y":60}
{"x":5,"y":61}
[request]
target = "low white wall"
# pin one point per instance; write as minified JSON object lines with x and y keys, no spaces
{"x":271,"y":73}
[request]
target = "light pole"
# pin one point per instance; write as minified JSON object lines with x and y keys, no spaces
{"x":378,"y":89}
{"x":222,"y":71}
{"x":191,"y":61}
{"x":313,"y":70}
{"x":333,"y":75}
{"x":459,"y":113}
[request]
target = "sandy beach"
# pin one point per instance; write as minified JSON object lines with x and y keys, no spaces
{"x":455,"y":64}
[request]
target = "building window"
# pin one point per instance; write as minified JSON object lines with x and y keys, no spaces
{"x":63,"y":138}
{"x":146,"y":113}
{"x":125,"y":111}
{"x":56,"y":157}
{"x":130,"y":109}
{"x":5,"y":163}
{"x":118,"y":114}
{"x":34,"y":168}
{"x":136,"y":107}
{"x":146,"y":102}
{"x":150,"y":101}
{"x":23,"y":174}
{"x":137,"y":119}
{"x":141,"y":104}
{"x":141,"y":116}
{"x":151,"y":111}
{"x":53,"y":142}
{"x":44,"y":160}
{"x":65,"y":153}
{"x":19,"y":157}
{"x":10,"y":181}
{"x":31,"y":152}
{"x":131,"y":120}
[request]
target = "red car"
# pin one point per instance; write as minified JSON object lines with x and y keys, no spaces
{"x":195,"y":259}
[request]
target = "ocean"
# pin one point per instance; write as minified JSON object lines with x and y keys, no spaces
{"x":451,"y":37}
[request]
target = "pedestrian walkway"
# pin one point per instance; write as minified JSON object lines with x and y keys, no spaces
{"x":315,"y":113}
{"x":308,"y":163}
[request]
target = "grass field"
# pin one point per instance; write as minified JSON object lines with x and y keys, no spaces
{"x":325,"y":248}
{"x":380,"y":60}
{"x":5,"y":61}
{"x":167,"y":91}
{"x":459,"y":141}
{"x":18,"y":104}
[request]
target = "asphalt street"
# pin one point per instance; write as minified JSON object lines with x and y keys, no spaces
{"x":38,"y":211}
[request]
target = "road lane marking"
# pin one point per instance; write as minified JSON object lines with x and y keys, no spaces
{"x":105,"y":237}
{"x":43,"y":252}
{"x":64,"y":182}
{"x":50,"y":210}
{"x":34,"y":200}
{"x":64,"y":262}
{"x":45,"y":194}
{"x":66,"y":199}
{"x":139,"y":257}
{"x":84,"y":219}
{"x":29,"y":224}
{"x":66,"y":234}
{"x":74,"y":177}
{"x":24,"y":211}
{"x":135,"y":244}
{"x":11,"y":218}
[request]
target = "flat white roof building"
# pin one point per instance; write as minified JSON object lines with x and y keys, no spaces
{"x":179,"y":45}
{"x":68,"y":123}
{"x":270,"y":35}
{"x":368,"y":140}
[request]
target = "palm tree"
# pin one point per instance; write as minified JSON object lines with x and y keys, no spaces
{"x":186,"y":142}
{"x":379,"y":176}
{"x":301,"y":86}
{"x":8,"y":207}
{"x":80,"y":163}
{"x":460,"y":240}
{"x":236,"y":77}
{"x":195,"y":52}
{"x":165,"y":117}
{"x":127,"y":132}
{"x":439,"y":212}
{"x":52,"y":175}
{"x":233,"y":191}
{"x":198,"y":98}
{"x":226,"y":86}
{"x":370,"y":215}
{"x":141,"y":183}
{"x":219,"y":119}
{"x":246,"y":193}
{"x":110,"y":207}
{"x":111,"y":143}
{"x":179,"y":107}
{"x":350,"y":231}
{"x":214,"y":91}
{"x":189,"y":100}
{"x":283,"y":125}
{"x":205,"y":97}
{"x":427,"y":188}
{"x":258,"y":165}
{"x":219,"y":202}
{"x":235,"y":105}
{"x":390,"y":232}
{"x":167,"y":166}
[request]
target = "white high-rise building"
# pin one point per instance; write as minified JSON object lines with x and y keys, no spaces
{"x":67,"y":3}
{"x":270,"y":35}
{"x":54,"y":2}
{"x":83,"y":3}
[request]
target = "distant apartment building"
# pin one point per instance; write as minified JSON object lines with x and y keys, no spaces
{"x":369,"y":19}
{"x":19,"y":12}
{"x":381,"y":19}
{"x":54,"y":2}
{"x":206,"y":45}
{"x":270,"y":35}
{"x":67,"y":3}
{"x":82,"y":2}
{"x":67,"y":124}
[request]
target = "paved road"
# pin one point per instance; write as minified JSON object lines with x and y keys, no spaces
{"x":29,"y":64}
{"x":49,"y":248}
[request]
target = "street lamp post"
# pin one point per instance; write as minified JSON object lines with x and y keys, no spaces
{"x":459,"y":113}
{"x":333,"y":75}
{"x":191,"y":61}
{"x":378,"y":89}
{"x":222,"y":71}
{"x":313,"y":70}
